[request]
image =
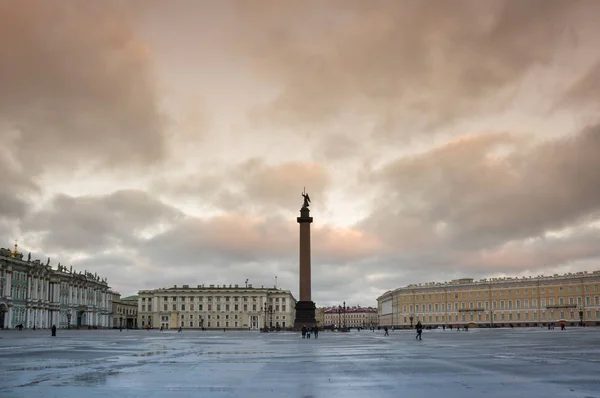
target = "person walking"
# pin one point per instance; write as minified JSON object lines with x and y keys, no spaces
{"x":316,"y":331}
{"x":303,"y":332}
{"x":308,"y":333}
{"x":419,"y":330}
{"x":385,"y":329}
{"x":54,"y":330}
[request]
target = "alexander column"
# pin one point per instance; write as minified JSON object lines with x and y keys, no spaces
{"x":305,"y":308}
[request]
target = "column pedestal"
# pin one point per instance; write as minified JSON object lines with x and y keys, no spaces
{"x":305,"y":315}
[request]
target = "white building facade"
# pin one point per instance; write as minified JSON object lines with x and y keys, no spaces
{"x":216,"y":307}
{"x":351,"y":317}
{"x":34,"y":295}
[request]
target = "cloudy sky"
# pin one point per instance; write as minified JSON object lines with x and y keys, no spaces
{"x":160,"y":143}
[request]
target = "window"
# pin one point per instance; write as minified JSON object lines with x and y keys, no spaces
{"x":174,"y":307}
{"x":182,"y":307}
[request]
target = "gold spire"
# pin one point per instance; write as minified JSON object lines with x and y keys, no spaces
{"x":15,"y":252}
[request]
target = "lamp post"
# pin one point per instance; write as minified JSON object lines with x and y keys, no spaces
{"x":68,"y":320}
{"x":344,"y":315}
{"x":339,"y":317}
{"x":266,"y":310}
{"x":411,"y":320}
{"x":580,"y":316}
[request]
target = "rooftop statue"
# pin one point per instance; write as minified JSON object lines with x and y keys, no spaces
{"x":306,"y":199}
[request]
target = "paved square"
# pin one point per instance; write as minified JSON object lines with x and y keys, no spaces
{"x":490,"y":363}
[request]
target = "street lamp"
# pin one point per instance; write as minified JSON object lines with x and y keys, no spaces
{"x":411,"y":321}
{"x":339,"y":316}
{"x":344,"y":315}
{"x":68,"y":320}
{"x":580,"y":316}
{"x":268,"y":311}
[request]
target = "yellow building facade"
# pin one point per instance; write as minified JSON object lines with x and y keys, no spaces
{"x":572,"y":299}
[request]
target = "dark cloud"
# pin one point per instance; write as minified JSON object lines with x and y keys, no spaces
{"x":16,"y":189}
{"x":468,"y":194}
{"x":96,"y":223}
{"x":406,"y":65}
{"x":76,"y":86}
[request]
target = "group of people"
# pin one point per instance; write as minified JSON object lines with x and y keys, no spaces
{"x":306,"y":332}
{"x":418,"y":327}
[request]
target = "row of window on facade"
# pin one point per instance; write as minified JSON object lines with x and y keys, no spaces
{"x":551,"y":316}
{"x":216,"y":298}
{"x":507,"y":292}
{"x":20,"y":293}
{"x":129,"y":311}
{"x":200,"y":322}
{"x":209,"y":307}
{"x":508,"y":304}
{"x":208,"y":317}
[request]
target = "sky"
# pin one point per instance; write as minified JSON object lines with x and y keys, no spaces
{"x":167,"y":143}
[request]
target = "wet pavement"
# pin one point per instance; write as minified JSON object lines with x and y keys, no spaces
{"x":490,"y":363}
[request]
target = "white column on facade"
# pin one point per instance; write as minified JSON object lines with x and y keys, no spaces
{"x":29,"y":287}
{"x":8,"y":282}
{"x":9,"y":316}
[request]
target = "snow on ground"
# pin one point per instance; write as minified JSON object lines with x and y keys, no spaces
{"x":477,"y":363}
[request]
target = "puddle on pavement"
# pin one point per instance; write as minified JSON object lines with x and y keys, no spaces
{"x":92,"y":378}
{"x":149,"y":353}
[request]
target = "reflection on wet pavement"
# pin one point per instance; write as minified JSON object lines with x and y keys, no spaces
{"x":491,"y":363}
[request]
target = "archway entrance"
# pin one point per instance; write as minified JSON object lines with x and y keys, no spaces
{"x":3,"y":312}
{"x":80,"y":318}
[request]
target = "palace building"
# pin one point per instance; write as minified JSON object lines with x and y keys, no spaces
{"x":34,"y":295}
{"x":350,"y":317}
{"x":572,"y":299}
{"x":123,"y":311}
{"x":216,"y":307}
